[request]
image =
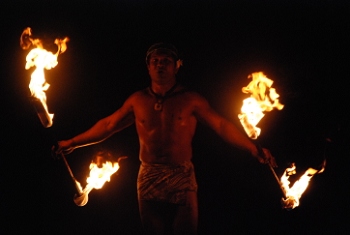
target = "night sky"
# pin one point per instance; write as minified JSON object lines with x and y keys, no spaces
{"x":302,"y":46}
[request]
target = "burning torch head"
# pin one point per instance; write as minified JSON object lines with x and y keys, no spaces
{"x":44,"y":117}
{"x":81,"y":200}
{"x":100,"y":171}
{"x":288,"y":203}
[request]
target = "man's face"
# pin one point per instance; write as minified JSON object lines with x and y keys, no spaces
{"x":161,"y":67}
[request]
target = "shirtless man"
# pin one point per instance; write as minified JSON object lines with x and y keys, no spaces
{"x":165,"y":115}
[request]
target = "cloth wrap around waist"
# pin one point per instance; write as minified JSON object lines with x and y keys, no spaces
{"x":167,"y":183}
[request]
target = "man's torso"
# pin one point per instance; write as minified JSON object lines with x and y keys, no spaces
{"x":165,"y":135}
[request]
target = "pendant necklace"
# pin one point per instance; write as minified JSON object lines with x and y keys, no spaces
{"x":158,"y":106}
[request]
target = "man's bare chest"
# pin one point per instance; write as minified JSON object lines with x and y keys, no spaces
{"x":174,"y":112}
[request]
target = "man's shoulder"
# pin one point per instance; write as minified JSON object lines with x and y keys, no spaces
{"x":139,"y":93}
{"x":191,"y":97}
{"x":190,"y":93}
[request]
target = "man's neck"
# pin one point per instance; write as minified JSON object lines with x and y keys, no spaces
{"x":162,"y":89}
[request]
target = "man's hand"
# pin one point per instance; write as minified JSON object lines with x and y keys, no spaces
{"x":63,"y":147}
{"x":267,"y":158}
{"x":264,"y":156}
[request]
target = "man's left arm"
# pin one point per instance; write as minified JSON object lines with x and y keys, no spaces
{"x":228,"y":131}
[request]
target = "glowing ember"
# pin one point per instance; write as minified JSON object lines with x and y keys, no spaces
{"x":41,"y":59}
{"x":99,"y":174}
{"x":262,"y":98}
{"x":294,"y":193}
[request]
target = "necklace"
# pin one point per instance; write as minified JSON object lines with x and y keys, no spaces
{"x":158,"y":106}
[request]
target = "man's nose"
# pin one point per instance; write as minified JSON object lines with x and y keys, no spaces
{"x":161,"y":63}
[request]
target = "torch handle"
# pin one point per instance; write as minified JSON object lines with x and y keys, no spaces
{"x":261,"y":152}
{"x":77,"y":186}
{"x":278,"y":180}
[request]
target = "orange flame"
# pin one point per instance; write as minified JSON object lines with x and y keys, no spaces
{"x":99,"y":175}
{"x":294,"y":193}
{"x":262,"y":98}
{"x":41,"y":59}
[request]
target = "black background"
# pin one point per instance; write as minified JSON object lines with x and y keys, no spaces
{"x":301,"y":45}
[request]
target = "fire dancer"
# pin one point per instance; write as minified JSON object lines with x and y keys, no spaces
{"x":165,"y":115}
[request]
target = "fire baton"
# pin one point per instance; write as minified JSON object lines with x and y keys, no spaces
{"x":81,"y":197}
{"x":76,"y":183}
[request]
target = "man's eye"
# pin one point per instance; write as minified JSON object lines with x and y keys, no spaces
{"x":161,"y":61}
{"x":154,"y":61}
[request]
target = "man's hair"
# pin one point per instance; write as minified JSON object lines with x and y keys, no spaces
{"x":161,"y":47}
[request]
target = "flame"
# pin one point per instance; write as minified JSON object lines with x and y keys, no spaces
{"x":294,"y":193}
{"x":262,"y":98}
{"x":41,"y":59}
{"x":99,"y":175}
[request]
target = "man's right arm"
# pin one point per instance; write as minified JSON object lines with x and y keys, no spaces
{"x":103,"y":129}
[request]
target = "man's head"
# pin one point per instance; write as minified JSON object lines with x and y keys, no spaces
{"x":164,"y":49}
{"x":162,"y":63}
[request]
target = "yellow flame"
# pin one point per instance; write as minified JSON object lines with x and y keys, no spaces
{"x":295,"y":192}
{"x":262,"y":98}
{"x":100,"y":175}
{"x":41,"y":59}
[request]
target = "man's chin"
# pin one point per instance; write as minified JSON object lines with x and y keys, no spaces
{"x":161,"y":76}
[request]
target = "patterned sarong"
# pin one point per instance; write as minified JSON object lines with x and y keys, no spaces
{"x":167,"y":183}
